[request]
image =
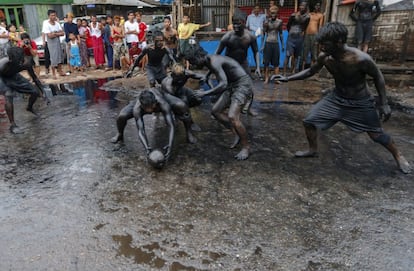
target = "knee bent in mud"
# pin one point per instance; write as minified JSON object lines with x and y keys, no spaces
{"x":383,"y":139}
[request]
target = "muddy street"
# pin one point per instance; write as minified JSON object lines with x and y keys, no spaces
{"x":71,"y":200}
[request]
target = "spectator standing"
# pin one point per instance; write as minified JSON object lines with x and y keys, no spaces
{"x":4,"y":41}
{"x":30,"y":51}
{"x":13,"y":35}
{"x":70,"y":27}
{"x":97,"y":42}
{"x":297,"y":24}
{"x":310,"y":45}
{"x":47,"y":54}
{"x":185,"y":30}
{"x":54,"y":31}
{"x":273,"y":31}
{"x":21,"y":29}
{"x":255,"y":21}
{"x":237,"y":43}
{"x":131,"y":29}
{"x":170,"y":39}
{"x":143,"y":28}
{"x":75,"y":59}
{"x":83,"y":47}
{"x":364,"y":13}
{"x":117,"y":34}
{"x":108,"y":41}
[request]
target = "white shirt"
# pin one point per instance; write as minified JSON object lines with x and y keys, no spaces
{"x":129,"y":27}
{"x":4,"y":31}
{"x":50,"y":28}
{"x":95,"y":31}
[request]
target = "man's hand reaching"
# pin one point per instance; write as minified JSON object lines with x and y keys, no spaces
{"x":279,"y":77}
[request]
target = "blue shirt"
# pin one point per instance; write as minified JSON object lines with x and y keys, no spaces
{"x":70,"y":28}
{"x":254,"y":22}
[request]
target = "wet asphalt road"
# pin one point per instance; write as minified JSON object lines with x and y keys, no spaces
{"x":71,"y":200}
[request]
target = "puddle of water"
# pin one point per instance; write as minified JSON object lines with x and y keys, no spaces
{"x":88,"y":92}
{"x":141,"y":255}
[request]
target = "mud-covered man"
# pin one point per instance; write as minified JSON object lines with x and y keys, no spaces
{"x":156,"y":71}
{"x":237,"y":43}
{"x":174,"y":84}
{"x":297,"y":24}
{"x":154,"y":101}
{"x":235,"y":89}
{"x":350,"y":102}
{"x":11,"y":81}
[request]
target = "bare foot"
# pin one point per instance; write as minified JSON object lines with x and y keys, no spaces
{"x":266,"y":81}
{"x":195,"y":127}
{"x":235,"y":142}
{"x":30,"y":109}
{"x":403,"y":165}
{"x":252,"y":112}
{"x":304,"y":154}
{"x":191,"y":138}
{"x":243,"y":154}
{"x":117,"y":138}
{"x":15,"y":130}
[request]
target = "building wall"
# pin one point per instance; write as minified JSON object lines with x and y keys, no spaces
{"x":393,"y":34}
{"x":36,"y":14}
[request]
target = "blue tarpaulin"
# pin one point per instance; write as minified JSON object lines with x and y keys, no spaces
{"x":166,"y":2}
{"x":211,"y":46}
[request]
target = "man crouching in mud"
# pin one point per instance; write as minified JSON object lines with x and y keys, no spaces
{"x":350,"y":102}
{"x":11,"y":81}
{"x":150,"y":101}
{"x":235,"y":87}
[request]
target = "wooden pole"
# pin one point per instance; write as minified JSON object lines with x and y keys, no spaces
{"x":174,"y":14}
{"x":231,"y":11}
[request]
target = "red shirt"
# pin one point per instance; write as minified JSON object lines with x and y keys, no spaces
{"x":142,"y":28}
{"x":27,"y":49}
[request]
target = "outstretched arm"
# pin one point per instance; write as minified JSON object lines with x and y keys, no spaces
{"x":170,"y":55}
{"x":221,"y":46}
{"x":39,"y":85}
{"x":220,"y":87}
{"x":141,"y":132}
{"x":136,"y":62}
{"x":195,"y":75}
{"x":302,"y":74}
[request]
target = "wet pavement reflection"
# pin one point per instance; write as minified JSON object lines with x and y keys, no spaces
{"x":71,"y":200}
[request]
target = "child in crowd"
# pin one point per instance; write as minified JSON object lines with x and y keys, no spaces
{"x":75,"y":60}
{"x":13,"y":35}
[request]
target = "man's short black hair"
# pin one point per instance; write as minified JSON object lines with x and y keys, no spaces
{"x":194,"y":52}
{"x":50,"y":11}
{"x":333,"y":31}
{"x":147,"y":98}
{"x":24,"y":36}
